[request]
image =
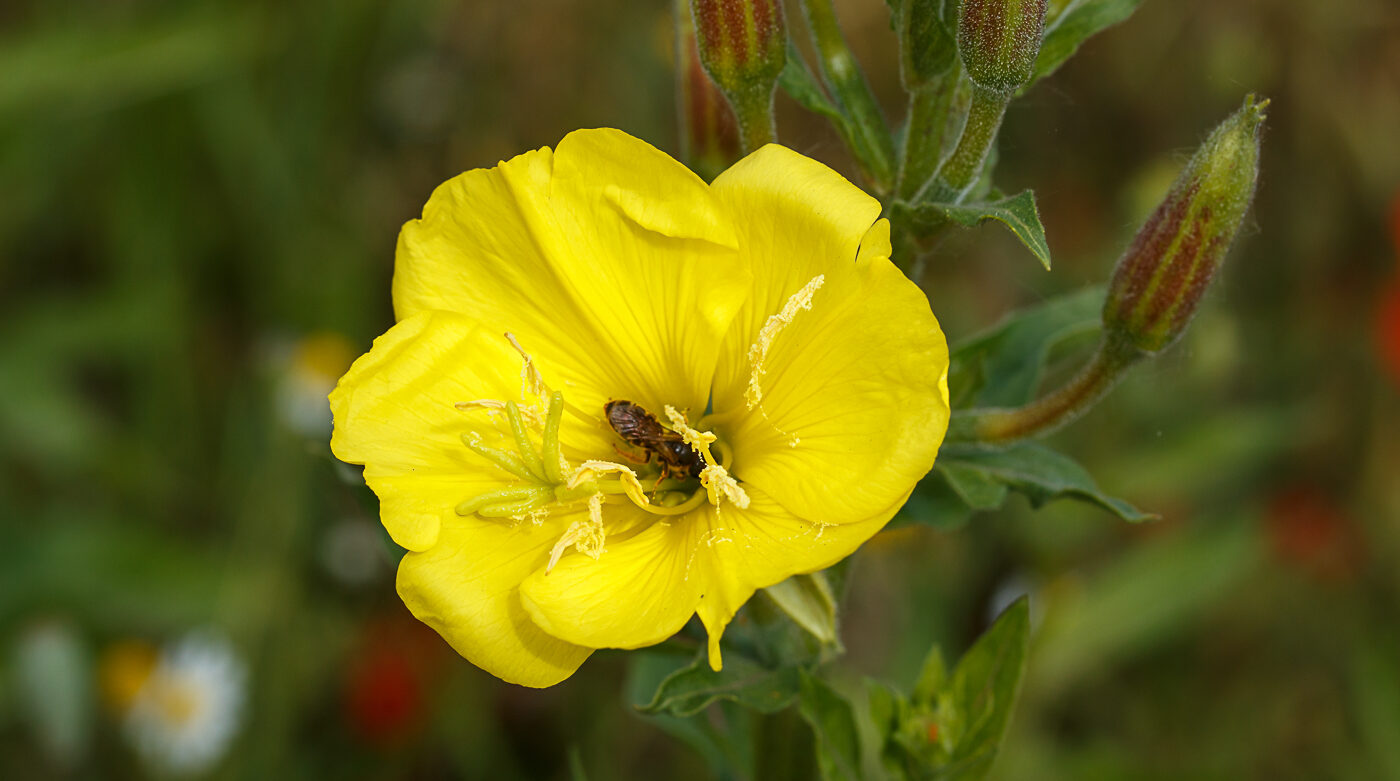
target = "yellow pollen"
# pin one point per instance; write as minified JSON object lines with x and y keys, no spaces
{"x":719,"y":484}
{"x":590,"y":470}
{"x":531,"y":381}
{"x":586,"y":535}
{"x":758,"y":351}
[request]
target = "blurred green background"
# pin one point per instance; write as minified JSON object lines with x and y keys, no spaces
{"x":198,"y":208}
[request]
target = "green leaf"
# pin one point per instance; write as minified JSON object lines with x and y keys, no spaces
{"x":1002,"y":367}
{"x":983,"y":690}
{"x":1071,"y":22}
{"x":928,"y":45}
{"x":866,"y":143}
{"x":974,"y":485}
{"x":690,"y":689}
{"x":833,"y":722}
{"x":1038,"y":472}
{"x":932,"y":676}
{"x":934,"y":503}
{"x":1017,"y":212}
{"x":809,"y":602}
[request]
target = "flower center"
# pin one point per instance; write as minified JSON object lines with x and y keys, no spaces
{"x":677,"y":466}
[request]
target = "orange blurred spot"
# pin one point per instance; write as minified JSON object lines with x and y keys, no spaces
{"x":1388,"y":330}
{"x":324,"y":354}
{"x":1309,"y":532}
{"x":933,"y":732}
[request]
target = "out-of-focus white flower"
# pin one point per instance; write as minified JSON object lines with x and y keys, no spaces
{"x":352,"y":552}
{"x":307,"y":371}
{"x":55,"y":688}
{"x":188,"y":709}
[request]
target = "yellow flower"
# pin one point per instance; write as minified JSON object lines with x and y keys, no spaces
{"x":757,"y":321}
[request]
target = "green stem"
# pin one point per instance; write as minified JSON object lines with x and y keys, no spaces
{"x":840,"y":70}
{"x":963,"y":167}
{"x":929,"y":106}
{"x":999,"y":426}
{"x":753,"y":108}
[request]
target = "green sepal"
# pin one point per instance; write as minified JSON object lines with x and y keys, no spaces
{"x":811,"y":603}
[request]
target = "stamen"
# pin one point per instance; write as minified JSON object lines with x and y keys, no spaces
{"x":591,"y":470}
{"x":586,"y":535}
{"x":722,"y":485}
{"x":699,"y":441}
{"x":531,"y":382}
{"x":506,"y":460}
{"x":758,"y":351}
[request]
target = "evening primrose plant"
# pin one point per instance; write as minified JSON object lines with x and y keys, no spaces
{"x":626,"y":406}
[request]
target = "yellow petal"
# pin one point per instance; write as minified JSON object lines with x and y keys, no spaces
{"x":762,"y":545}
{"x":467,"y":588}
{"x":854,"y":399}
{"x":640,"y":591}
{"x":612,"y":263}
{"x":394,"y":412}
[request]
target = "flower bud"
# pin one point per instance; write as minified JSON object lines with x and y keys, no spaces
{"x":743,"y":43}
{"x":999,"y":41}
{"x":1161,"y":278}
{"x":743,"y":46}
{"x":709,"y":131}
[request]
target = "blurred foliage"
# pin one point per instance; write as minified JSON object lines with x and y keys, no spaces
{"x":193,"y":189}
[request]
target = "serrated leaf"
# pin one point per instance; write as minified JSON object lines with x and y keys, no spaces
{"x":1002,"y":367}
{"x":690,"y":689}
{"x":983,"y":690}
{"x":808,"y":600}
{"x":833,"y":722}
{"x":1017,"y":212}
{"x":1041,"y":474}
{"x":1070,"y":23}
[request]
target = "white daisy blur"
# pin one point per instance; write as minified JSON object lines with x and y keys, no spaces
{"x":188,"y":709}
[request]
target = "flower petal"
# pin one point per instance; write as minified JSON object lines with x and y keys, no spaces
{"x":394,"y":412}
{"x":762,"y":545}
{"x":611,"y":262}
{"x":854,"y":399}
{"x":467,"y":588}
{"x":639,"y":592}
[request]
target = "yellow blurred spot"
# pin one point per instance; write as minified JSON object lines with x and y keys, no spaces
{"x":123,"y":671}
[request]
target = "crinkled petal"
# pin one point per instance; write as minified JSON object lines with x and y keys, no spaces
{"x":761,"y":545}
{"x":467,"y":588}
{"x":395,"y":413}
{"x":854,"y":399}
{"x":611,"y":262}
{"x":640,"y":591}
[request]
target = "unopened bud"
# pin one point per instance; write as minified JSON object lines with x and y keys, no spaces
{"x":999,"y":41}
{"x":709,"y":131}
{"x":1160,"y":280}
{"x":743,"y":46}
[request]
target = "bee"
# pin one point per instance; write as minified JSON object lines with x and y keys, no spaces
{"x":639,"y":428}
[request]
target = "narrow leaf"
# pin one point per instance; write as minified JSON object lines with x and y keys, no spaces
{"x":1002,"y":367}
{"x":974,"y":485}
{"x":984,"y":688}
{"x":1070,"y":23}
{"x":833,"y":722}
{"x":1041,"y":474}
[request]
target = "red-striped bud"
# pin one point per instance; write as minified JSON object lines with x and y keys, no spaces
{"x":1160,"y":280}
{"x":709,"y":131}
{"x":743,"y":46}
{"x":999,"y":41}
